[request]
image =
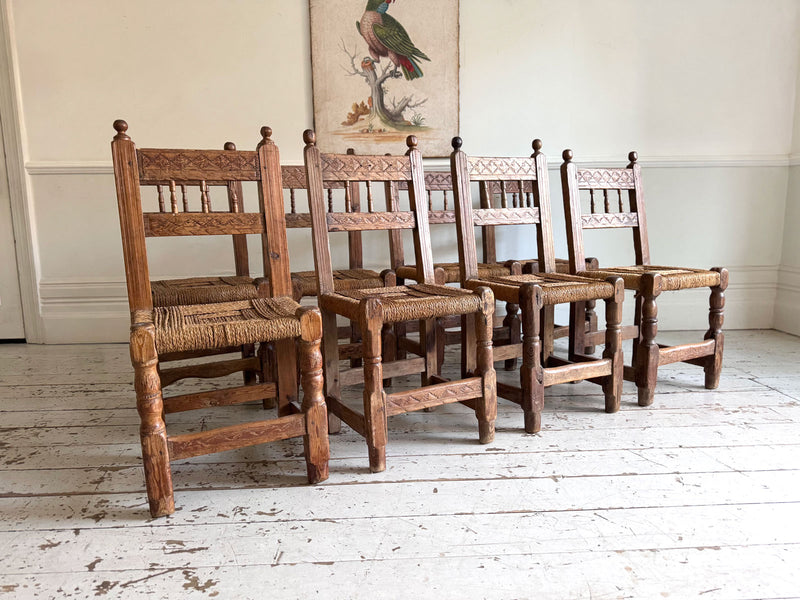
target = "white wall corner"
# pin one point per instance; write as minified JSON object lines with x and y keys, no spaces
{"x":787,"y":300}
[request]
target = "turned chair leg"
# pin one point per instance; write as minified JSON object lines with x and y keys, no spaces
{"x":486,"y":405}
{"x":153,"y":430}
{"x":511,"y":322}
{"x":647,"y":354}
{"x":315,"y":440}
{"x":716,"y":316}
{"x":612,"y":386}
{"x":531,"y":373}
{"x":591,"y":323}
{"x":375,"y":424}
{"x":389,"y":348}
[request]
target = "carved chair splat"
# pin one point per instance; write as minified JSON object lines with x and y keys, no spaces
{"x":647,"y":280}
{"x":200,"y":329}
{"x":377,"y":309}
{"x":535,"y":293}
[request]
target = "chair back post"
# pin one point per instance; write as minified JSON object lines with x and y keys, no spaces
{"x":316,"y":207}
{"x":354,"y":240}
{"x":270,"y":195}
{"x":134,"y":250}
{"x":462,"y":199}
{"x":636,"y":198}
{"x":572,"y":212}
{"x":541,"y":198}
{"x":235,"y":198}
{"x":419,"y":204}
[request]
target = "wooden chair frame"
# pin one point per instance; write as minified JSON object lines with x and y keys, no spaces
{"x":134,"y":168}
{"x":536,"y":293}
{"x":646,"y":280}
{"x":376,"y":310}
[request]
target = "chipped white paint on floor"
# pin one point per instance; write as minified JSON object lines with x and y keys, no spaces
{"x":697,"y":496}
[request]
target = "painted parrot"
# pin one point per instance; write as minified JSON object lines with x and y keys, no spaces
{"x":386,"y":37}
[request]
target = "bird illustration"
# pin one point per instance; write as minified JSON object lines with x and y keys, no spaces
{"x":385,"y":36}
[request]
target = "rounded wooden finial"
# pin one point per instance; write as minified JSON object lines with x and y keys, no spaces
{"x":411,"y":142}
{"x":309,"y":137}
{"x":633,"y":156}
{"x":351,"y":151}
{"x":537,"y":145}
{"x":567,"y":155}
{"x":266,"y":133}
{"x":121,"y":127}
{"x":456,"y":142}
{"x":229,"y":146}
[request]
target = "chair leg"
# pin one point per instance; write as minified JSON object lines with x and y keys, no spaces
{"x":716,"y":316}
{"x":315,"y":440}
{"x":374,"y":397}
{"x":647,"y":353}
{"x":468,"y":358}
{"x":486,"y":406}
{"x":547,"y":325}
{"x":153,"y":430}
{"x":286,"y":364}
{"x":269,"y":372}
{"x":249,"y":377}
{"x":427,"y":338}
{"x":637,"y":321}
{"x":612,"y":386}
{"x":355,"y":338}
{"x":591,"y":324}
{"x":531,"y":373}
{"x":441,"y":339}
{"x":388,"y":348}
{"x":330,"y":354}
{"x":512,"y":323}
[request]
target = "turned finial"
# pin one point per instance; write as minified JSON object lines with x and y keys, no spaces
{"x":567,"y":155}
{"x":456,"y":142}
{"x":121,"y":127}
{"x":351,"y":151}
{"x":229,"y":146}
{"x":537,"y":145}
{"x":309,"y":137}
{"x":633,"y":156}
{"x":411,"y":142}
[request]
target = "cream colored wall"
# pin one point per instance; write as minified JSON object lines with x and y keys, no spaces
{"x":704,"y":90}
{"x":787,"y":301}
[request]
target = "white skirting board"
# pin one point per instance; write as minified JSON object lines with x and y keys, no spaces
{"x":96,"y":311}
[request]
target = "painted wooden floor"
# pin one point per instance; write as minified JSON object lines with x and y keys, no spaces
{"x":695,"y":497}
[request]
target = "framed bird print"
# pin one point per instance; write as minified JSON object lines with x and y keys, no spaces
{"x":384,"y":69}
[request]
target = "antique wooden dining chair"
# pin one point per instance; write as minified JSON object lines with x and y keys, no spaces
{"x":533,"y":292}
{"x":647,"y":280}
{"x":493,"y":194}
{"x":198,"y":329}
{"x":375,"y":309}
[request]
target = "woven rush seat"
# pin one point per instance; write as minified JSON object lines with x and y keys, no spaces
{"x":343,"y":279}
{"x":672,"y":278}
{"x":406,"y":302}
{"x":451,"y":272}
{"x":557,"y":288}
{"x":202,"y":290}
{"x":202,"y":326}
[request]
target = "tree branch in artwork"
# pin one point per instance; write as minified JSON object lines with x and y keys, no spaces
{"x":388,"y":112}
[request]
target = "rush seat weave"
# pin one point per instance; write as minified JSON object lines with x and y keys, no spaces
{"x":672,"y":278}
{"x":557,"y":288}
{"x":202,"y":290}
{"x":344,"y":279}
{"x":203,"y":326}
{"x":407,"y":302}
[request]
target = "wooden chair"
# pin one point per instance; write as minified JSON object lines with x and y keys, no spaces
{"x":535,"y":293}
{"x":377,"y":309}
{"x":198,"y":329}
{"x":647,"y":280}
{"x":438,"y":185}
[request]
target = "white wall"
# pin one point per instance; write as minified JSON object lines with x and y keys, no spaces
{"x":787,"y":302}
{"x":703,"y":89}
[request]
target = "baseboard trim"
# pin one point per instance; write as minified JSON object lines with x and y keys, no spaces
{"x":96,"y":310}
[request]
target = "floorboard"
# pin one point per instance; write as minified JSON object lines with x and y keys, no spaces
{"x":697,"y":496}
